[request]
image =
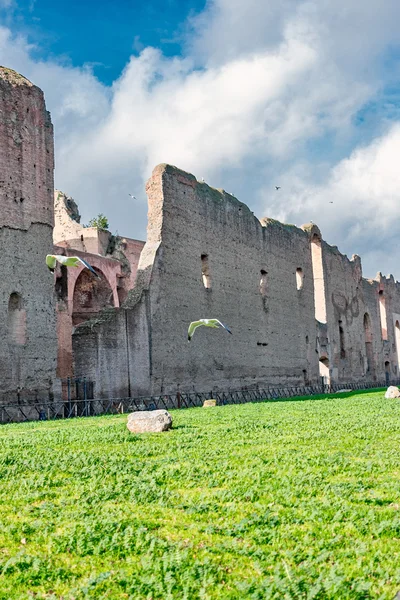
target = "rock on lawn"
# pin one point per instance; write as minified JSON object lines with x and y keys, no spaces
{"x":149,"y":421}
{"x":392,"y":392}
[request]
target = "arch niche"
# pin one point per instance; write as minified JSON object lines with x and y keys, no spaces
{"x":16,"y":320}
{"x":90,"y":296}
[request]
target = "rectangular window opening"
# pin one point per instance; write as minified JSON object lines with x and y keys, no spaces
{"x":205,"y":271}
{"x":319,"y":282}
{"x":382,"y":312}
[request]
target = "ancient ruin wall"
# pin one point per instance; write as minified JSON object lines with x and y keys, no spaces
{"x":252,"y":287}
{"x":28,"y":342}
{"x":345,"y":309}
{"x":207,"y":255}
{"x":383,"y":303}
{"x":299,"y":310}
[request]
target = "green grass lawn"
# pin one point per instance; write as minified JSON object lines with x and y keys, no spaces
{"x":295,"y":499}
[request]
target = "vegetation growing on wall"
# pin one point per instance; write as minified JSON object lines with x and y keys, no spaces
{"x":101,"y":222}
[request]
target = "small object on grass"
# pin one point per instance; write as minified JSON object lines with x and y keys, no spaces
{"x":392,"y":392}
{"x":210,"y":402}
{"x":149,"y":421}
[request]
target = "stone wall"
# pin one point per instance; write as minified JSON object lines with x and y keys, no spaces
{"x":28,"y":341}
{"x":299,"y":310}
{"x":79,"y":294}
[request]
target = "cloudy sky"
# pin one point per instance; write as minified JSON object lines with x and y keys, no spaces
{"x":247,"y":95}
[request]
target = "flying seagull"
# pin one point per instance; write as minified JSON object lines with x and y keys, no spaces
{"x":277,"y":187}
{"x":134,"y":197}
{"x":330,"y":201}
{"x":67,"y":261}
{"x":208,"y":323}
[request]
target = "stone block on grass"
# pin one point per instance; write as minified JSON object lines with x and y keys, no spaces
{"x":149,"y":421}
{"x":208,"y":403}
{"x":392,"y":392}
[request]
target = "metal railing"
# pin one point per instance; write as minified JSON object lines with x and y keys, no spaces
{"x":84,"y":407}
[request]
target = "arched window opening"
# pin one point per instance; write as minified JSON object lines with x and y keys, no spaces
{"x":382,"y":312}
{"x":263,"y":283}
{"x":324,"y":370}
{"x":16,"y":320}
{"x":369,"y":352}
{"x":90,"y":296}
{"x":319,"y":282}
{"x":387,"y":372}
{"x":299,"y":278}
{"x":205,"y":271}
{"x":341,"y":338}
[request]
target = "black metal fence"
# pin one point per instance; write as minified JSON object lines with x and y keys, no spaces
{"x":78,"y":402}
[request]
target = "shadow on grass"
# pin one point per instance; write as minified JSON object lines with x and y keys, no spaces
{"x":332,"y":396}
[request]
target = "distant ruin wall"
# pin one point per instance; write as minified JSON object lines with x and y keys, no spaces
{"x":28,"y":341}
{"x":299,"y":310}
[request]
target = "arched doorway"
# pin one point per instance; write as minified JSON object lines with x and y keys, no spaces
{"x":369,"y":351}
{"x":90,"y":296}
{"x":324,"y":370}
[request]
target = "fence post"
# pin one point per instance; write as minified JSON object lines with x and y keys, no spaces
{"x":69,"y":396}
{"x":85,"y":398}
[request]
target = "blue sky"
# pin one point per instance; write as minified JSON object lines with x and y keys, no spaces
{"x":304,"y":94}
{"x":103,"y":33}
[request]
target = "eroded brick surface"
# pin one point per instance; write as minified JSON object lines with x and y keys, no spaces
{"x":28,"y":341}
{"x":299,"y":310}
{"x":297,"y":314}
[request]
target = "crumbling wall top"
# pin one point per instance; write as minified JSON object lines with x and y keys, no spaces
{"x":312,"y":230}
{"x":288,"y":227}
{"x":13,"y":77}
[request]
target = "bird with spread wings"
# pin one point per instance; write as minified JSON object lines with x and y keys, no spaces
{"x":68,"y":261}
{"x":208,"y":323}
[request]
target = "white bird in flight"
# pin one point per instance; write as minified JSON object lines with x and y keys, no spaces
{"x":134,"y":197}
{"x":208,"y":323}
{"x":68,"y":261}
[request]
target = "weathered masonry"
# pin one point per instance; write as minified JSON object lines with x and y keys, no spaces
{"x":299,"y":309}
{"x":28,"y":340}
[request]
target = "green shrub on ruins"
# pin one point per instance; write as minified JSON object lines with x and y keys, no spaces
{"x":101,"y":222}
{"x":284,"y":500}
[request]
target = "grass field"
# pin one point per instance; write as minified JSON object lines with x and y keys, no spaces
{"x":295,"y":499}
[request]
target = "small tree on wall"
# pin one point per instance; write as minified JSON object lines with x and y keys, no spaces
{"x":101,"y":222}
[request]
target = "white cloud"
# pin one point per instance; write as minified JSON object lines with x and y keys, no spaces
{"x":259,"y":84}
{"x":358,"y":206}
